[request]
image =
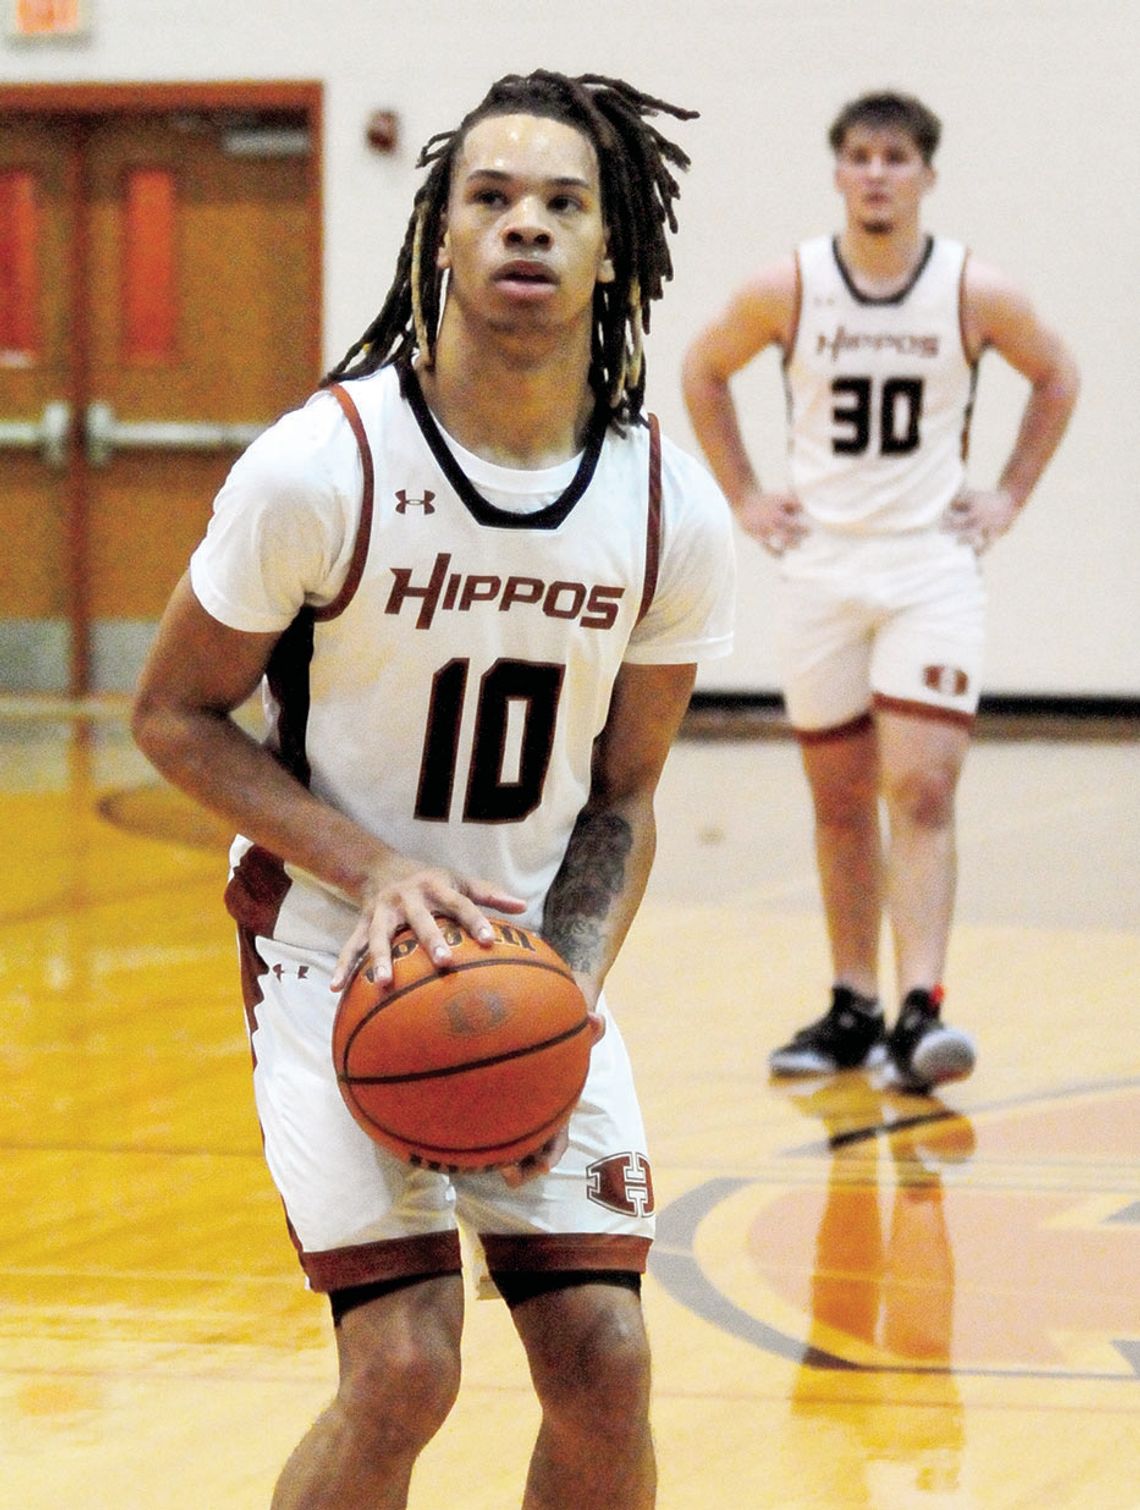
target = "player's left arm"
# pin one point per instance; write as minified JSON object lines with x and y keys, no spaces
{"x":602,"y":879}
{"x":998,"y":314}
{"x":599,"y":886}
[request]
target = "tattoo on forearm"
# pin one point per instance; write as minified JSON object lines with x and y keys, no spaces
{"x":592,"y":874}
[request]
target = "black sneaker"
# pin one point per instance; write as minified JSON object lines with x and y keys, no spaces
{"x":925,"y":1051}
{"x":849,"y":1036}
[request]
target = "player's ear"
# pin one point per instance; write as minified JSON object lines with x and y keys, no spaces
{"x":443,"y":255}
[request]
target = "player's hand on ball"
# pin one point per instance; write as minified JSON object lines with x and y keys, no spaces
{"x":417,"y":899}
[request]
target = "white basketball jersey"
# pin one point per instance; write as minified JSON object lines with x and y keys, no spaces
{"x":449,"y":695}
{"x":879,"y":393}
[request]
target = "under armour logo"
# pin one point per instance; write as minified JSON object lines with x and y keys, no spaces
{"x":623,"y":1182}
{"x":425,"y":503}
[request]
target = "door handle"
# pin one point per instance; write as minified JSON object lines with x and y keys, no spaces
{"x":105,"y":435}
{"x":47,"y":435}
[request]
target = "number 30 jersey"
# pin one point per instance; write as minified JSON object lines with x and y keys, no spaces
{"x":450,"y":630}
{"x":880,"y":392}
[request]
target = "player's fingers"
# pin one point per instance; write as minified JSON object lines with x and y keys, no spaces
{"x":349,"y":957}
{"x":466,"y":907}
{"x":487,"y":894}
{"x":425,"y":925}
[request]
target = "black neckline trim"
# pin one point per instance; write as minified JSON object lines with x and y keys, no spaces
{"x":481,"y":509}
{"x":861,"y":298}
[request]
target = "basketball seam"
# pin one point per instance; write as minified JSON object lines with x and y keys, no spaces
{"x":476,"y":964}
{"x":468,"y":1064}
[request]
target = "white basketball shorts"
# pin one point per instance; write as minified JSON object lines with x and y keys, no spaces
{"x":357,"y":1214}
{"x":889,"y":621}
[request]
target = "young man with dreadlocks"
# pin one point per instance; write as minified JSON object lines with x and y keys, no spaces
{"x":474,"y":582}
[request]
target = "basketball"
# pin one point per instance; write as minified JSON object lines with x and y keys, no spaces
{"x":471,"y":1067}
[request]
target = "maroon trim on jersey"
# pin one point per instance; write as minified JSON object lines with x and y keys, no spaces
{"x":855,"y":725}
{"x":797,"y":310}
{"x":253,"y":899}
{"x":394,"y":1258}
{"x":653,"y":520}
{"x":287,"y":677}
{"x":911,"y":709}
{"x":550,"y":1252}
{"x":251,"y":966}
{"x":256,"y":890}
{"x":972,"y":362}
{"x":259,"y":883}
{"x":364,"y":529}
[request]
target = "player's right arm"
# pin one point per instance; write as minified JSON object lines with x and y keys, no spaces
{"x":761,"y":314}
{"x":198,"y":673}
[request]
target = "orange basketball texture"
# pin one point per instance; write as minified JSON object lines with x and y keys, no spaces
{"x":468,"y":1068}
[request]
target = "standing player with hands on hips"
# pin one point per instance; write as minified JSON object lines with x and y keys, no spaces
{"x":474,"y":582}
{"x":880,"y":601}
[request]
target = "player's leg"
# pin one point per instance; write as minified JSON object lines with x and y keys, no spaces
{"x":398,"y":1356}
{"x":589,"y":1359}
{"x":842,"y":770}
{"x":921,"y":760}
{"x":375,"y":1235}
{"x":926,"y":671}
{"x":824,"y":641}
{"x":566,"y":1251}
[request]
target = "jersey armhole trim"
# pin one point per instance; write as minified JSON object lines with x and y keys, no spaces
{"x":652,"y":520}
{"x":967,"y":358}
{"x":364,"y":528}
{"x":797,"y":307}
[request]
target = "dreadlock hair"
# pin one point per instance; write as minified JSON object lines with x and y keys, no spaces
{"x":637,"y":194}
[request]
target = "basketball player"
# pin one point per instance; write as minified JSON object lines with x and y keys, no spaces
{"x":473,"y":582}
{"x":880,"y":609}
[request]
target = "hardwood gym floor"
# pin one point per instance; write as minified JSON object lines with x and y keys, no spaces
{"x":857,"y":1298}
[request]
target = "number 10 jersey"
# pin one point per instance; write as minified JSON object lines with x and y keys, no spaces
{"x":450,"y":630}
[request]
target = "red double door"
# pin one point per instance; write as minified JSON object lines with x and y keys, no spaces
{"x":160,"y":278}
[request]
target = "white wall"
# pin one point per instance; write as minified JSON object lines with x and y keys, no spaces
{"x":1038,"y":172}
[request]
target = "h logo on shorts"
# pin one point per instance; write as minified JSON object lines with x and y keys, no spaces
{"x":950,"y":681}
{"x":623,"y":1182}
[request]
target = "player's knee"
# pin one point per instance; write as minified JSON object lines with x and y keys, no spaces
{"x":600,"y":1370}
{"x":396,"y":1397}
{"x":924,"y":796}
{"x":846,"y":804}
